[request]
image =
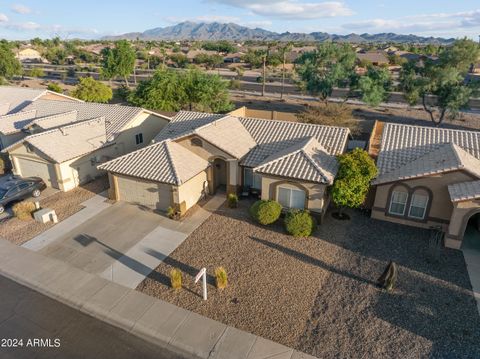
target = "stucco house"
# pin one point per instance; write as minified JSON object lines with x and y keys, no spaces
{"x":63,"y":142}
{"x":429,"y":177}
{"x":198,"y":153}
{"x":29,"y":54}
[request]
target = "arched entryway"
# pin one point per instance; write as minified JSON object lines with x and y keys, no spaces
{"x":220,"y":178}
{"x":471,"y":238}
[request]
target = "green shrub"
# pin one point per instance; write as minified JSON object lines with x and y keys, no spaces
{"x":266,"y":211}
{"x":23,"y":210}
{"x":54,"y":87}
{"x":299,"y":223}
{"x":176,"y":278}
{"x":221,"y":279}
{"x":232,"y":200}
{"x":36,"y":72}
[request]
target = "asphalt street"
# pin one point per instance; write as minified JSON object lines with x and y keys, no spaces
{"x":50,"y":329}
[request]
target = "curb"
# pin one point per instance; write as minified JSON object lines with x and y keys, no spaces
{"x":182,"y":332}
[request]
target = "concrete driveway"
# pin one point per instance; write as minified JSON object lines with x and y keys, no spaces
{"x":98,"y":242}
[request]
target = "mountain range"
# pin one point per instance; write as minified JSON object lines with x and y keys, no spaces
{"x":229,"y":31}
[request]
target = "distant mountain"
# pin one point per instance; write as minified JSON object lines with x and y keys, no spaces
{"x":219,"y":31}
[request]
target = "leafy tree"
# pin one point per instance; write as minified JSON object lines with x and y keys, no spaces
{"x":356,"y":170}
{"x":441,"y":86}
{"x":9,"y":65}
{"x":374,"y":86}
{"x":329,"y":66}
{"x":119,"y":61}
{"x":170,"y":90}
{"x":211,"y":61}
{"x":220,"y":46}
{"x":90,"y":90}
{"x":179,"y":59}
{"x":36,"y":72}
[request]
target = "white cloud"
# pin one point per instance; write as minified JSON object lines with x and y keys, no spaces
{"x":50,"y":30}
{"x":291,"y":9}
{"x":202,"y":18}
{"x":420,"y":23}
{"x":21,"y":9}
{"x":3,"y":18}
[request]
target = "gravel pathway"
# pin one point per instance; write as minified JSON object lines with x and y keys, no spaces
{"x":318,"y":294}
{"x":64,"y":203}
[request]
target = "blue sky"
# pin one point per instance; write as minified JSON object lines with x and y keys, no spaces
{"x":92,"y":19}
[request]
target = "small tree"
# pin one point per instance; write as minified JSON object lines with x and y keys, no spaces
{"x":335,"y":114}
{"x":9,"y":65}
{"x":356,"y":170}
{"x":53,"y":86}
{"x":90,"y":90}
{"x":374,"y":86}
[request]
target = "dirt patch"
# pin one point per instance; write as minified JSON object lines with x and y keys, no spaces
{"x":64,"y":203}
{"x":318,"y":294}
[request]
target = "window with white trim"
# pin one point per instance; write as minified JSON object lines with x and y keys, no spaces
{"x":291,"y":198}
{"x":252,"y":179}
{"x":398,"y":203}
{"x":418,"y":206}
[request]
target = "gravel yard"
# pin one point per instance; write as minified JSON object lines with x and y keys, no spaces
{"x":318,"y":294}
{"x":64,"y":203}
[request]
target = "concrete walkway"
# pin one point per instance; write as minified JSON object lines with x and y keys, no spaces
{"x":471,"y":253}
{"x":93,"y":206}
{"x":157,"y":321}
{"x":140,"y":260}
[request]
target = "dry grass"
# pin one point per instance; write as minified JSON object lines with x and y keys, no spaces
{"x":64,"y":204}
{"x":221,"y":279}
{"x":23,"y":210}
{"x":176,"y":279}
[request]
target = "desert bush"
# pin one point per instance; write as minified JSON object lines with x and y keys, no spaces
{"x":23,"y":210}
{"x":176,"y":278}
{"x":265,"y":211}
{"x":36,"y":72}
{"x":232,"y":200}
{"x":299,"y":223}
{"x":221,"y":279}
{"x":53,"y":86}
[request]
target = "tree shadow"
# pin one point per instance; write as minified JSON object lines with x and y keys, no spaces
{"x":311,"y":260}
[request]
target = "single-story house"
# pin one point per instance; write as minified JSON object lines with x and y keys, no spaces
{"x":428,"y":177}
{"x":199,"y":153}
{"x":63,"y":142}
{"x":376,"y":58}
{"x":28,"y":54}
{"x":14,"y":99}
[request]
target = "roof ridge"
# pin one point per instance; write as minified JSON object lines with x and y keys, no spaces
{"x":48,"y":117}
{"x":17,"y":113}
{"x":318,"y":168}
{"x":172,"y":164}
{"x":292,"y":122}
{"x":391,"y":124}
{"x":309,"y":138}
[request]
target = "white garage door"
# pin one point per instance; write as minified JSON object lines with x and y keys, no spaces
{"x":30,"y":168}
{"x":150,"y":194}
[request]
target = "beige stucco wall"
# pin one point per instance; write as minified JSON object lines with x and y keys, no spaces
{"x":462,"y":212}
{"x":440,"y":207}
{"x":317,"y":200}
{"x":207,"y":151}
{"x":191,"y":191}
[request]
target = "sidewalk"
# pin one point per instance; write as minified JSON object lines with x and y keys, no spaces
{"x":138,"y":262}
{"x":157,"y":321}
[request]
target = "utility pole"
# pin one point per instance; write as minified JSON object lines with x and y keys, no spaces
{"x":264,"y":73}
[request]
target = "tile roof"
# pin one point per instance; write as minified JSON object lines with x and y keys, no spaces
{"x":305,"y":160}
{"x":184,"y":123}
{"x":68,"y":142}
{"x":273,"y":136}
{"x":166,"y":162}
{"x":464,"y":191}
{"x":229,"y":135}
{"x":116,"y":117}
{"x":18,"y":97}
{"x":15,"y":122}
{"x":444,"y":157}
{"x":49,"y":122}
{"x":4,"y":107}
{"x":402,"y":144}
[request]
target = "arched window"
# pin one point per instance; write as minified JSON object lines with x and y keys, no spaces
{"x":418,"y":204}
{"x":196,"y":142}
{"x":398,"y":201}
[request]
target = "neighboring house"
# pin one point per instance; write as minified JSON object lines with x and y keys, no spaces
{"x":428,"y":177}
{"x":28,"y":55}
{"x":197,"y":153}
{"x":376,"y":58}
{"x":63,"y":142}
{"x":14,"y":99}
{"x":475,"y":69}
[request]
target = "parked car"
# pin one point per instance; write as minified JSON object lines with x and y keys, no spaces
{"x":14,"y":189}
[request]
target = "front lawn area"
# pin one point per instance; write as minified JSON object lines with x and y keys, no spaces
{"x":318,"y":294}
{"x":64,"y":203}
